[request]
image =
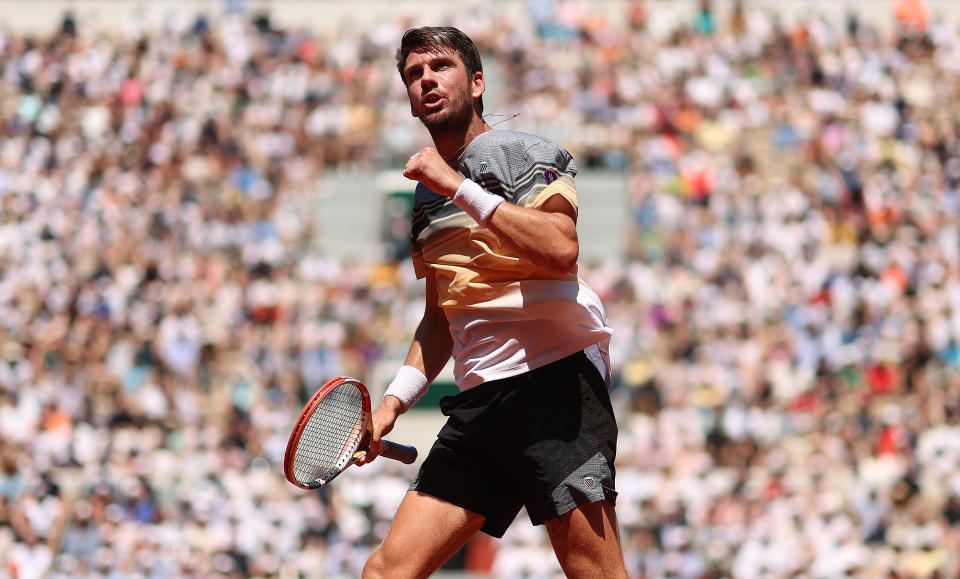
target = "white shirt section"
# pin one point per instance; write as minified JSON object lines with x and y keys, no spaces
{"x":539,"y":322}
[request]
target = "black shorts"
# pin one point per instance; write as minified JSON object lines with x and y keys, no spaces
{"x":545,"y":440}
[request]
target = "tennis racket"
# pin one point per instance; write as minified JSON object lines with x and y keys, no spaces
{"x":332,"y":431}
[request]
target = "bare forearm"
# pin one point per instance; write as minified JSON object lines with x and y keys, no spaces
{"x":547,"y":239}
{"x":547,"y":235}
{"x":427,"y":355}
{"x":431,"y":346}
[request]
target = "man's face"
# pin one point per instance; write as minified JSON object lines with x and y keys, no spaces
{"x":441,"y":94}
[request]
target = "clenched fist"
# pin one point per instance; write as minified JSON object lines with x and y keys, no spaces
{"x":429,"y":168}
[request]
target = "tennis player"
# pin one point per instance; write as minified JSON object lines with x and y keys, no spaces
{"x":494,"y":234}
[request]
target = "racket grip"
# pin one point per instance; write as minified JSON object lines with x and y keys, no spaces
{"x":401,"y":452}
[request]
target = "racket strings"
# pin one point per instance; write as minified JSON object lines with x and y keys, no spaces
{"x":330,"y":436}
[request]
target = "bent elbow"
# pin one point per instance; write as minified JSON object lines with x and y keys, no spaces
{"x":564,"y":259}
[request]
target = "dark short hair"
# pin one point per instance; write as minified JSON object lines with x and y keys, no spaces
{"x":438,"y":39}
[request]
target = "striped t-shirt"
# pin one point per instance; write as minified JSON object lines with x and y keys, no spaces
{"x":506,"y":315}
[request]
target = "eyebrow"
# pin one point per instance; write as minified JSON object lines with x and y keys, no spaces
{"x":434,"y":56}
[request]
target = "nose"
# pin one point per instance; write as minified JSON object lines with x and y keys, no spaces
{"x":428,"y":77}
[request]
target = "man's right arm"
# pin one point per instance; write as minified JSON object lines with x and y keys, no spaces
{"x":429,"y":351}
{"x":432,"y":344}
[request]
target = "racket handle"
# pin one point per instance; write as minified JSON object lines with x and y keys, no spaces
{"x":402,"y":452}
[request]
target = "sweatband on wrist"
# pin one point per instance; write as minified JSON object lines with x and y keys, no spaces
{"x":408,"y":386}
{"x":478,"y":203}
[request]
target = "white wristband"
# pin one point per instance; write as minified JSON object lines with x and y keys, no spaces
{"x":408,"y":386}
{"x":478,"y":203}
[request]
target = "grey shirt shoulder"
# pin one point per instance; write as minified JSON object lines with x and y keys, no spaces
{"x":503,"y":161}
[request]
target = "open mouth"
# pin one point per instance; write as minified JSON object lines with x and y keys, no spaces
{"x":432,"y":101}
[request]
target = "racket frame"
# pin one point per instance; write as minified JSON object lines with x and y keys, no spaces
{"x":392,"y":450}
{"x":307,"y":412}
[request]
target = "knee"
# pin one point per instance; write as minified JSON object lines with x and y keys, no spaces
{"x":586,"y":567}
{"x":387,"y":563}
{"x":376,"y":565}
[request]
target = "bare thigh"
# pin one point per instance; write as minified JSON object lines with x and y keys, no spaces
{"x":586,"y":541}
{"x":425,"y":533}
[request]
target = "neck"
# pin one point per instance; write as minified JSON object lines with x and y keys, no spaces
{"x":451,"y":142}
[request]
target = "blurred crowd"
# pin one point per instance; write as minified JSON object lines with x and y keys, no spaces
{"x":787,"y":318}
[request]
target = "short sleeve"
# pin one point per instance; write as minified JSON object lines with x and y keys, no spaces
{"x":548,"y":170}
{"x":563,"y":186}
{"x":549,"y":157}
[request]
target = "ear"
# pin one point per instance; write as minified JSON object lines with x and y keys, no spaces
{"x":477,"y":85}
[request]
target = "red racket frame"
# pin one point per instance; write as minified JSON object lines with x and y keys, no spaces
{"x":403,"y":453}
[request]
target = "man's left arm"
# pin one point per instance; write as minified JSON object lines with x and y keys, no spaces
{"x":546,"y":236}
